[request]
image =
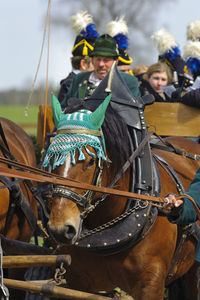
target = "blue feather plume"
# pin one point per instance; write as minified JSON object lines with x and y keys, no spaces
{"x":121,"y":40}
{"x":193,"y":64}
{"x":90,"y":32}
{"x":172,"y":53}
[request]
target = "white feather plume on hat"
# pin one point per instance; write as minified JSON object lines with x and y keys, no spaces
{"x":117,"y":26}
{"x":193,"y":30}
{"x":118,"y":29}
{"x":163,"y":41}
{"x":192,"y":49}
{"x":80,"y":20}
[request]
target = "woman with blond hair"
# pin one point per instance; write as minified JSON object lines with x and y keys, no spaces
{"x":157,"y":76}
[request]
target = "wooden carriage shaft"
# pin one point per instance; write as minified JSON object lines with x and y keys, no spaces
{"x":52,"y":290}
{"x":72,"y":184}
{"x":27,"y":261}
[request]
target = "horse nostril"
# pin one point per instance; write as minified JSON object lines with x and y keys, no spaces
{"x":69,"y":231}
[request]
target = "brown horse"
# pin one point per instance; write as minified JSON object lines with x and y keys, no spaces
{"x":22,"y":149}
{"x":107,"y":250}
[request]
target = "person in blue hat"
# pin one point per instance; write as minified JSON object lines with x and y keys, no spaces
{"x":191,"y":94}
{"x":83,"y":24}
{"x":118,"y":29}
{"x":103,"y":56}
{"x":170,"y":53}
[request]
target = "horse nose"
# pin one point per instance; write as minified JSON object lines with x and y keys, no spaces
{"x":69,"y":231}
{"x":66,"y":234}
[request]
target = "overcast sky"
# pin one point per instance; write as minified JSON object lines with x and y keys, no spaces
{"x":21,"y":34}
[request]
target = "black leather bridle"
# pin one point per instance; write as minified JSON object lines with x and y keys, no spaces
{"x":81,"y":200}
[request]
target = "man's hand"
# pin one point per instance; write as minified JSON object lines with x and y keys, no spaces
{"x":171,"y":202}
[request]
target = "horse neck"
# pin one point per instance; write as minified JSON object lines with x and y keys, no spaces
{"x":20,"y":144}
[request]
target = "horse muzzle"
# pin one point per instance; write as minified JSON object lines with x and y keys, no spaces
{"x":66,"y":229}
{"x":67,"y":234}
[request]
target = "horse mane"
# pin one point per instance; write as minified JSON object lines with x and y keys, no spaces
{"x":116,"y":137}
{"x":115,"y":132}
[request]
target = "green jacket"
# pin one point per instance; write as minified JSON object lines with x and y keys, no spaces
{"x":189,"y":215}
{"x":78,"y":87}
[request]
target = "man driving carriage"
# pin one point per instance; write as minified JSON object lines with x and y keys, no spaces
{"x":105,"y":53}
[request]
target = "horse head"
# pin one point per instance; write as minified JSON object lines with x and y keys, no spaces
{"x":76,"y":153}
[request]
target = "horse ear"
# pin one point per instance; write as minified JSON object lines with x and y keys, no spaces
{"x":97,"y":117}
{"x":56,"y":109}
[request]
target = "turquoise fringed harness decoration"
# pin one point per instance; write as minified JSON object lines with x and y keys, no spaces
{"x":67,"y":142}
{"x":75,"y":131}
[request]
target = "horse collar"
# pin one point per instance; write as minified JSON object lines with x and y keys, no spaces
{"x":120,"y":236}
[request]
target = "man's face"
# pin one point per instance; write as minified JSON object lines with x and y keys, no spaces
{"x":102,"y":65}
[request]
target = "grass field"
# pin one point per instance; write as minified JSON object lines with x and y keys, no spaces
{"x":17,"y":115}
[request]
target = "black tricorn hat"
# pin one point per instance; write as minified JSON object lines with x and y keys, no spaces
{"x":83,"y":46}
{"x":84,"y":25}
{"x":124,"y":58}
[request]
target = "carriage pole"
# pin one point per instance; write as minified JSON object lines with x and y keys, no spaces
{"x":54,"y":291}
{"x":27,"y":261}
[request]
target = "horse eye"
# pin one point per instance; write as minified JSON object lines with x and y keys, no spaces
{"x":91,"y":162}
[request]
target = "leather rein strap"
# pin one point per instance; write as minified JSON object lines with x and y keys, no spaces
{"x":170,"y":148}
{"x":43,"y":176}
{"x":53,"y":178}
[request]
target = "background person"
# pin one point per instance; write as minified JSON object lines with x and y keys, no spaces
{"x":169,"y":53}
{"x":84,"y":26}
{"x":118,"y":29}
{"x":190,"y":95}
{"x":139,"y":70}
{"x":157,"y":76}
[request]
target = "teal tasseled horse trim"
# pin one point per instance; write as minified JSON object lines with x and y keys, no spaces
{"x":65,"y":144}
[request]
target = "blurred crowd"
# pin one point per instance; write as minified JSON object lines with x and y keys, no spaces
{"x":174,"y":77}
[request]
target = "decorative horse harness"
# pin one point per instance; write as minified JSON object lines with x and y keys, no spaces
{"x":135,"y":222}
